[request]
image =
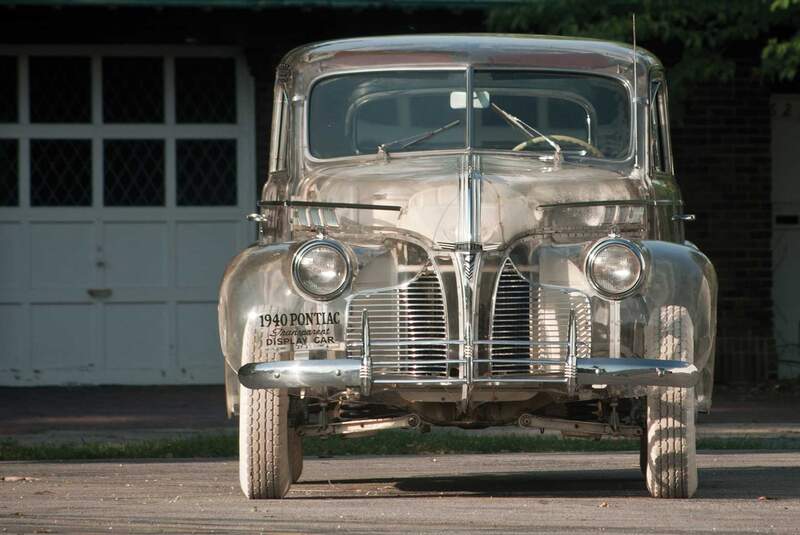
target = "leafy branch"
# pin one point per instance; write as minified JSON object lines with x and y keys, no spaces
{"x":699,"y":41}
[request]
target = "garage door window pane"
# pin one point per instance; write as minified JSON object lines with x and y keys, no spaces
{"x":60,"y":90}
{"x":206,"y":172}
{"x":8,"y":89}
{"x":61,"y":172}
{"x":205,"y":90}
{"x":133,"y":172}
{"x":9,"y":165}
{"x":133,"y":90}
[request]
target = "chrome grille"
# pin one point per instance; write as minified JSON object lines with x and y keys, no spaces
{"x":399,"y":319}
{"x":536,"y":313}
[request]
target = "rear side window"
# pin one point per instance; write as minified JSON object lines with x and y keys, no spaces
{"x":659,"y":128}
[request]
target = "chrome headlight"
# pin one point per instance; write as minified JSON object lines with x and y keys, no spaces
{"x":615,"y":267}
{"x":321,"y":269}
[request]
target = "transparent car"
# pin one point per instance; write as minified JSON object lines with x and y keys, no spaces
{"x":469,"y":231}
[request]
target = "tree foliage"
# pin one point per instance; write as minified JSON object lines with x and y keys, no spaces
{"x":699,"y":40}
{"x":782,"y":56}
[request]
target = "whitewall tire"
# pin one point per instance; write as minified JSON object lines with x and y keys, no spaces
{"x":264,"y":435}
{"x":671,"y":470}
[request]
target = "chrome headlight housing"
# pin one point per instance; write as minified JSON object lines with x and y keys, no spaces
{"x":321,"y":269}
{"x":615,"y":267}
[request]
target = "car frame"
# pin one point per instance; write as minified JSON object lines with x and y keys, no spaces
{"x":469,"y":283}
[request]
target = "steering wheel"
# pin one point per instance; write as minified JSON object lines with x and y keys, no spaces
{"x":594,"y":151}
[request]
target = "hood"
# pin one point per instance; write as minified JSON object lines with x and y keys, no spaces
{"x":516,"y":193}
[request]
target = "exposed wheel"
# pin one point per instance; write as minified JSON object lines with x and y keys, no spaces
{"x":264,"y":467}
{"x":671,"y":470}
{"x":295,"y":455}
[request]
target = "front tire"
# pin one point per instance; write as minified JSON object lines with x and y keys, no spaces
{"x":264,"y":436}
{"x":671,"y":470}
{"x":264,"y":469}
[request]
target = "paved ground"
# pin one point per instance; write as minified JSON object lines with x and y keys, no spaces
{"x":740,"y":492}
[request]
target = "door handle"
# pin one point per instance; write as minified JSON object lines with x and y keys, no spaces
{"x":99,"y":293}
{"x":684,"y":217}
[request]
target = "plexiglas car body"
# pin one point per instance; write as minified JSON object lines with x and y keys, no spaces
{"x":428,"y":259}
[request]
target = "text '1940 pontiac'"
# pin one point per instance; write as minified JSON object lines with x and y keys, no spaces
{"x":469,"y":231}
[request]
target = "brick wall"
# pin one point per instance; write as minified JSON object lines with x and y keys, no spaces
{"x":722,"y":158}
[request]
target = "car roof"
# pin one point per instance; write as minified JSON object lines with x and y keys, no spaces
{"x":457,"y":50}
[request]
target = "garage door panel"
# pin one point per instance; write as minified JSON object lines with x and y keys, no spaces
{"x":198,"y":339}
{"x":203,"y":250}
{"x":136,"y":254}
{"x":62,"y":254}
{"x":62,"y":335}
{"x":136,"y":336}
{"x":12,"y":335}
{"x":11,"y":258}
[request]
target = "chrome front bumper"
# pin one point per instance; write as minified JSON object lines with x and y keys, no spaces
{"x":358,"y":372}
{"x":347,"y":373}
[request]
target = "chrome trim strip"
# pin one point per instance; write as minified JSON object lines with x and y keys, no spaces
{"x":356,"y":206}
{"x":613,"y":202}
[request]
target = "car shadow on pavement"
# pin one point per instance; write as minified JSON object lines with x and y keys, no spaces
{"x":715,"y":483}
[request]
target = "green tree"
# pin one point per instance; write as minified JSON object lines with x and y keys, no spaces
{"x":781,"y":57}
{"x":698,"y":40}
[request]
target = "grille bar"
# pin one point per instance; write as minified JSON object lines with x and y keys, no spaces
{"x":405,"y":325}
{"x":534,"y":320}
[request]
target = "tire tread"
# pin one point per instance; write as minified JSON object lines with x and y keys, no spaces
{"x":671,"y":470}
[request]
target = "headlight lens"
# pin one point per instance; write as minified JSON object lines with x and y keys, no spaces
{"x":615,"y":267}
{"x":321,"y":269}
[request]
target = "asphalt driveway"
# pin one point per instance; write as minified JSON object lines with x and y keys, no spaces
{"x":741,"y":492}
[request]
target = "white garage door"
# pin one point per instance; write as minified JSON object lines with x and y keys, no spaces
{"x":124,"y":175}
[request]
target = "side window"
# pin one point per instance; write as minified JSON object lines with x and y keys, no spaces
{"x":657,"y":145}
{"x":659,"y":128}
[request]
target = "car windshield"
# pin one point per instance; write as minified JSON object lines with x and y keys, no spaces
{"x":526,"y":111}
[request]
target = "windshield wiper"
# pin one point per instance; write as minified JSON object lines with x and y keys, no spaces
{"x":416,"y":138}
{"x":527,"y":129}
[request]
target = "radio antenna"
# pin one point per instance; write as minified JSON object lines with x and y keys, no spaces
{"x":635,"y":100}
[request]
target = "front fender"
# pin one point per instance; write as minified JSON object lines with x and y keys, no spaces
{"x":259,"y":303}
{"x":679,"y":274}
{"x":261,"y":311}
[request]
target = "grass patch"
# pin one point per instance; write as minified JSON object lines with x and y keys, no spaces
{"x":385,"y":443}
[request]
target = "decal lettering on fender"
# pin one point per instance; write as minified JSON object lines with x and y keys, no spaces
{"x":303,"y":330}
